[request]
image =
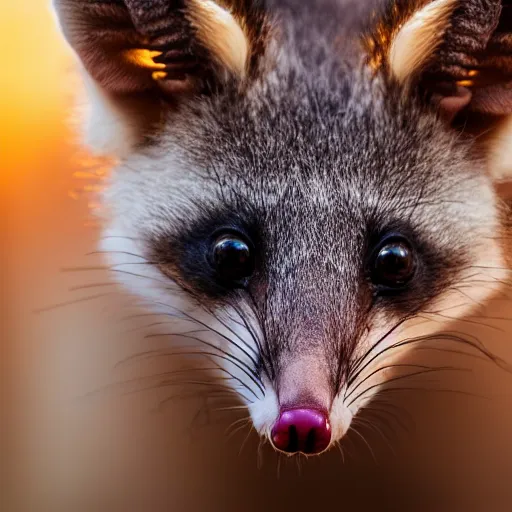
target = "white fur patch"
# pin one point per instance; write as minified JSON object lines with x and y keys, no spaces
{"x":264,"y":412}
{"x":340,"y":418}
{"x":418,"y":38}
{"x":500,"y":165}
{"x":109,"y":130}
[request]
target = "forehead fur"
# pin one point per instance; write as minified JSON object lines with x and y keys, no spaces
{"x":316,"y":134}
{"x":335,"y":139}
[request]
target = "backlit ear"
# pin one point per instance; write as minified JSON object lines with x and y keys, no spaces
{"x":459,"y":52}
{"x":141,"y":57}
{"x":418,"y":38}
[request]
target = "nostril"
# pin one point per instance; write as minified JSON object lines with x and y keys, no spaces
{"x":302,"y":430}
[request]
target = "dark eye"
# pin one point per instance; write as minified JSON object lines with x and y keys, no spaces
{"x":232,"y":258}
{"x":394,"y":263}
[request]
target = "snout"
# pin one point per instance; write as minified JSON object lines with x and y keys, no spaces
{"x":301,"y":430}
{"x":300,"y":413}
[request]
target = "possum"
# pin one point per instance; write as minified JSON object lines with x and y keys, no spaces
{"x":302,"y":180}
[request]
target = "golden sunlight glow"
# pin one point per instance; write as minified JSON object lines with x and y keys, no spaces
{"x":377,"y":45}
{"x":32,"y":96}
{"x":38,"y":107}
{"x":143,"y":58}
{"x":467,"y":82}
{"x":159,"y":75}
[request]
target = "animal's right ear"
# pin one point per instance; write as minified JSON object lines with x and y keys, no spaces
{"x":458,"y":55}
{"x":143,"y":57}
{"x":459,"y":52}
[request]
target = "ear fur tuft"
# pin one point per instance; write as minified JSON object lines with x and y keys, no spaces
{"x":142,"y":58}
{"x":418,"y":39}
{"x":456,"y":53}
{"x":220,"y":32}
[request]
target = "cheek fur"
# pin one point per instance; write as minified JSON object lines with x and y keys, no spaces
{"x":476,"y":284}
{"x":131,"y":269}
{"x":229,"y":345}
{"x":264,"y":412}
{"x":450,"y":312}
{"x":340,"y":418}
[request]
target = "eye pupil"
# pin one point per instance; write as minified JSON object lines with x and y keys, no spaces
{"x":232,"y":258}
{"x":394,"y":264}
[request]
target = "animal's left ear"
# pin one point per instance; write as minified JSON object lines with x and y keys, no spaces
{"x":457,"y":52}
{"x":142,"y":59}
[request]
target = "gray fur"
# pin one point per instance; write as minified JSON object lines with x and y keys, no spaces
{"x":316,"y":157}
{"x":317,"y":154}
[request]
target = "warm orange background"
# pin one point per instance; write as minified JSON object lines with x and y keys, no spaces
{"x":42,"y":226}
{"x":116,"y":456}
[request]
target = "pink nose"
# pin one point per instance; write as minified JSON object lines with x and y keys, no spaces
{"x":301,"y":430}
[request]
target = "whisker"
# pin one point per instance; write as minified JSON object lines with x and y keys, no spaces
{"x":186,"y":316}
{"x":507,"y":319}
{"x":105,"y":268}
{"x":484,"y":267}
{"x":338,"y":444}
{"x":141,"y":276}
{"x":72,"y":302}
{"x":381,"y":410}
{"x":353,"y":429}
{"x":226,"y":356}
{"x":126,"y":253}
{"x":435,"y":337}
{"x":360,"y":360}
{"x":234,"y":432}
{"x":162,"y":353}
{"x":88,"y":286}
{"x":226,"y":326}
{"x":436,"y":390}
{"x":450,"y":336}
{"x":381,"y":369}
{"x":376,"y":429}
{"x":232,"y":408}
{"x":244,"y":442}
{"x":107,"y":237}
{"x":464,"y":320}
{"x":139,"y":315}
{"x":248,"y":327}
{"x":211,"y":394}
{"x":447,"y":350}
{"x":84,"y":269}
{"x":154,"y":376}
{"x":401,"y":377}
{"x":235,"y":423}
{"x":458,"y":290}
{"x":156,"y":324}
{"x":399,"y":410}
{"x":279,"y":457}
{"x":212,"y":385}
{"x":168,"y":382}
{"x":139,"y":355}
{"x":259,"y":453}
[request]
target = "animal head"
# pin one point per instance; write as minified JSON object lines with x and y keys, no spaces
{"x":299,"y":179}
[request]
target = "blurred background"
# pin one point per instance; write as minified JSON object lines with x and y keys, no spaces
{"x":120,"y":450}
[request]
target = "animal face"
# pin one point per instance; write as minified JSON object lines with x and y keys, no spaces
{"x":299,"y":192}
